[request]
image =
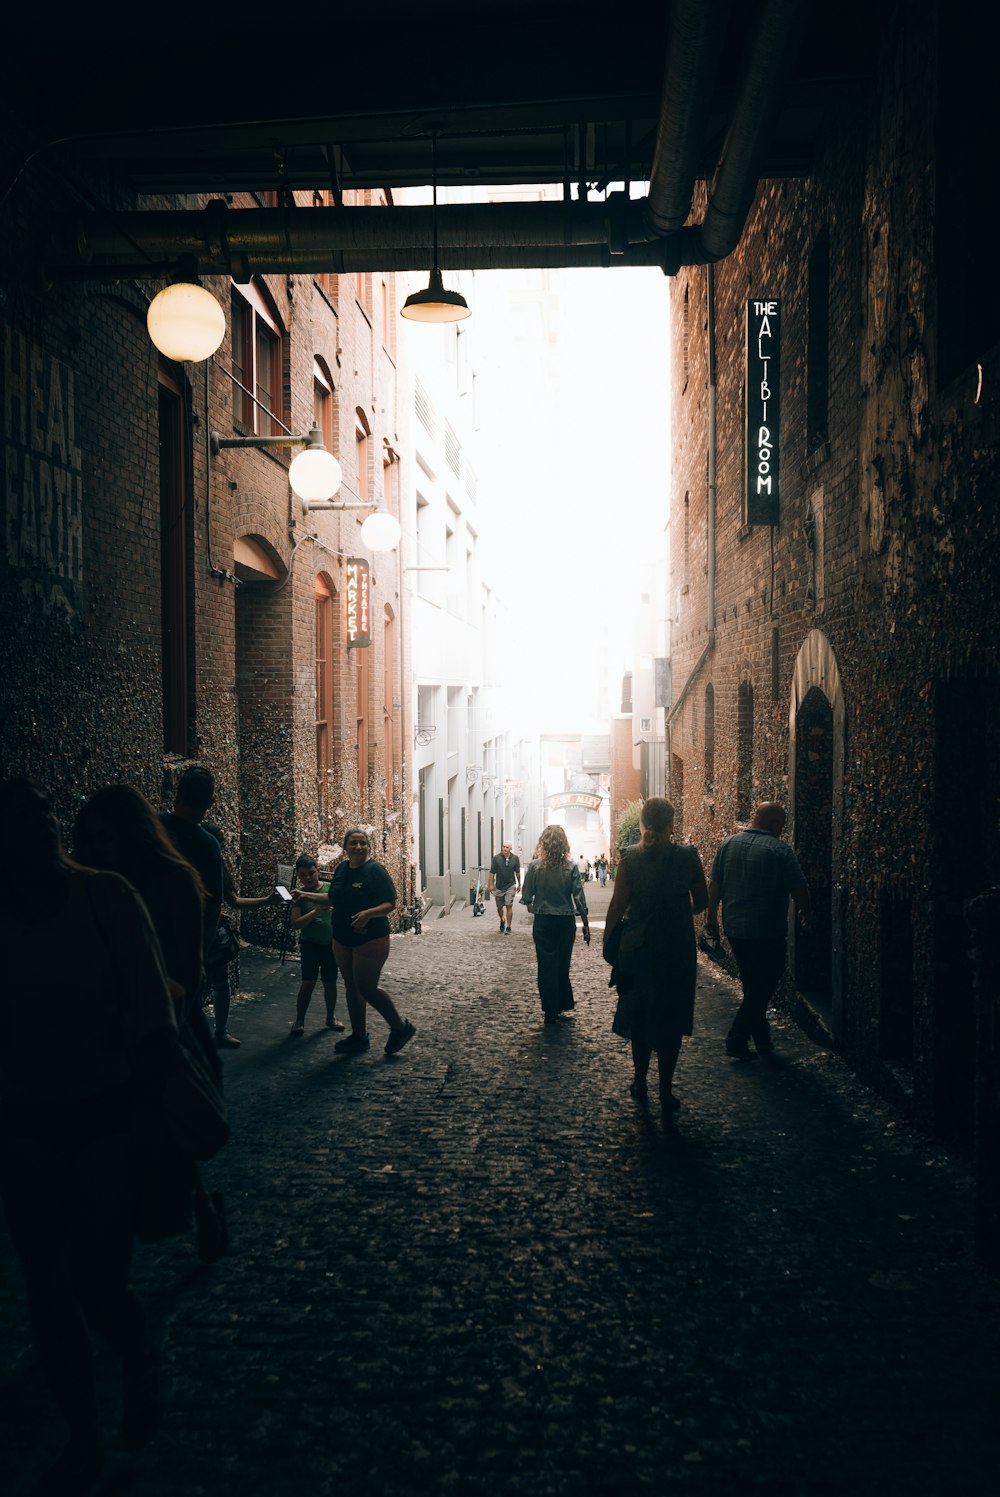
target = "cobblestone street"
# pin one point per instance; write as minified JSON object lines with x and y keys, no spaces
{"x":480,"y":1267}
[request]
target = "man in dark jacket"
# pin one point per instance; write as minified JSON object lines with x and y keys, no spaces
{"x":752,"y":877}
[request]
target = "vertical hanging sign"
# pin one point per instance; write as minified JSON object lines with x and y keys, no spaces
{"x":358,"y":604}
{"x":763,"y":411}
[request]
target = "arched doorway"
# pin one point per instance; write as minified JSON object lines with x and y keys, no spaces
{"x":813,"y":839}
{"x":816,"y":774}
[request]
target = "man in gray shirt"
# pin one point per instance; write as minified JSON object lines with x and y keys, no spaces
{"x":752,"y":876}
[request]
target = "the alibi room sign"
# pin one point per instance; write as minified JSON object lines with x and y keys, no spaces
{"x":763,"y":411}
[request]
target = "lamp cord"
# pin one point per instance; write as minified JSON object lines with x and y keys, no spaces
{"x":434,"y":195}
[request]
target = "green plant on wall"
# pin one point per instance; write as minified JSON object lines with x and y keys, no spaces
{"x":627,"y":829}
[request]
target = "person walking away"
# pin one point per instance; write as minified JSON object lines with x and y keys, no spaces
{"x":362,"y":896}
{"x":118,"y":830}
{"x":194,"y":795}
{"x":753,"y":875}
{"x":553,"y":890}
{"x":218,"y":972}
{"x":76,"y":1059}
{"x":504,"y":883}
{"x":313,"y":922}
{"x":659,"y":888}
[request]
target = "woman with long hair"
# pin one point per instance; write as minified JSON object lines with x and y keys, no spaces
{"x":118,"y":829}
{"x":554,"y":892}
{"x":76,"y":1053}
{"x":362,"y":895}
{"x":660,"y":887}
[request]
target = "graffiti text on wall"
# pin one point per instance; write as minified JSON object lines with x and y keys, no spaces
{"x":43,"y":526}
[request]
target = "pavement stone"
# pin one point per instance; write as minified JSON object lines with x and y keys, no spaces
{"x":480,"y":1267}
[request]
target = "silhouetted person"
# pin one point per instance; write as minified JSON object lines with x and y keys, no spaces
{"x":554,"y":892}
{"x":753,"y":875}
{"x":218,"y":971}
{"x":313,"y":921}
{"x":118,"y":829}
{"x":194,"y":795}
{"x":75,"y":1057}
{"x":660,"y":887}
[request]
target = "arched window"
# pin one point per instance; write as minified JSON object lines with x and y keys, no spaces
{"x":361,"y":738}
{"x":257,"y":341}
{"x":323,"y":401}
{"x":362,"y":432}
{"x":744,"y":752}
{"x":388,"y":716}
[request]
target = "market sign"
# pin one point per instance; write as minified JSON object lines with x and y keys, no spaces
{"x":763,"y":411}
{"x":575,"y":798}
{"x":358,"y":604}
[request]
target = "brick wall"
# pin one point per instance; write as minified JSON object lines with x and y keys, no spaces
{"x":876,"y":587}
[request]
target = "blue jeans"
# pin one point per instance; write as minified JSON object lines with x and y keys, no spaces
{"x":762,"y":966}
{"x":554,"y":936}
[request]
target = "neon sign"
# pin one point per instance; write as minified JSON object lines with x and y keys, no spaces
{"x":358,"y":604}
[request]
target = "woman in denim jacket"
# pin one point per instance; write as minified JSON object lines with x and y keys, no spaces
{"x":554,"y":893}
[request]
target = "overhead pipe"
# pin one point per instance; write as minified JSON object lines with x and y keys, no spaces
{"x":481,"y":236}
{"x":737,"y":172}
{"x":697,"y":29}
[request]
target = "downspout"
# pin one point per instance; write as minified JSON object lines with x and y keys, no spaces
{"x":713,"y":381}
{"x":711,"y":498}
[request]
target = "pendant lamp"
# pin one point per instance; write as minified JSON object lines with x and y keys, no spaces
{"x":435,"y":304}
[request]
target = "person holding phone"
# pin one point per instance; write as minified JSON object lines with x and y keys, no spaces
{"x":312,"y":919}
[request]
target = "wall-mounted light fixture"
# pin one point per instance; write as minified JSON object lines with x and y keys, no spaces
{"x":381,"y":531}
{"x":435,"y":304}
{"x":184,"y":321}
{"x":314,"y":473}
{"x":423,"y":734}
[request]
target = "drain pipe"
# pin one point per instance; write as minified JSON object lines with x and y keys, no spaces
{"x":713,"y":382}
{"x":710,"y":525}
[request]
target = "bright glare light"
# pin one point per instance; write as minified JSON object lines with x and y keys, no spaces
{"x":381,"y":531}
{"x":185,"y":322}
{"x":314,"y":474}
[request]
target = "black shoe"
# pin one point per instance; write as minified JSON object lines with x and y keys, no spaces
{"x":552,"y":1018}
{"x":670,"y":1104}
{"x":739,"y":1052}
{"x":503,"y":925}
{"x":399,"y":1037}
{"x":639,"y":1091}
{"x":226,"y":1042}
{"x":353,"y":1044}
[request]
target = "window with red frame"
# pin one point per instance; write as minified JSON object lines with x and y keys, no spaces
{"x":323,"y":402}
{"x":257,"y":363}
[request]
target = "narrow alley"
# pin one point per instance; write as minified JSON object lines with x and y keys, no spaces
{"x":480,"y":1267}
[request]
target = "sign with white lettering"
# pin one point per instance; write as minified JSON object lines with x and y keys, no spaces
{"x":358,"y":604}
{"x":763,"y":411}
{"x":574,"y":798}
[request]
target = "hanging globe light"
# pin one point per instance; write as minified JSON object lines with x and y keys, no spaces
{"x":314,"y":473}
{"x":185,"y":322}
{"x":381,"y":531}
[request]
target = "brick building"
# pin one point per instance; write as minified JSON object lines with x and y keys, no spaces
{"x":835,"y":611}
{"x":161,"y":602}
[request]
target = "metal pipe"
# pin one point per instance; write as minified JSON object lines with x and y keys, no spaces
{"x":697,"y":29}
